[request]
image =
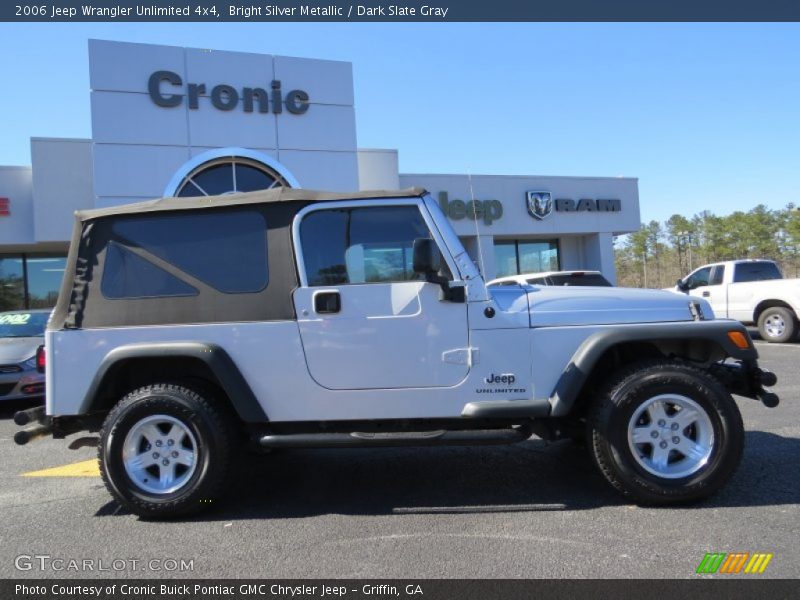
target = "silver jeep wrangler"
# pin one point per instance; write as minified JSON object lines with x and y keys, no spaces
{"x":187,"y":329}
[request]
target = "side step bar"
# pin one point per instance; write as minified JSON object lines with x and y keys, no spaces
{"x":395,"y":439}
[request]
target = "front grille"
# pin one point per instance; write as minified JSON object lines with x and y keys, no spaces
{"x":5,"y":388}
{"x":10,"y":368}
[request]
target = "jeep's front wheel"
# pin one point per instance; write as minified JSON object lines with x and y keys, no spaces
{"x":165,"y":451}
{"x":664,"y":432}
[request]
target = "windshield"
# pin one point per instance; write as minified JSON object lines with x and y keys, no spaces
{"x":22,"y":324}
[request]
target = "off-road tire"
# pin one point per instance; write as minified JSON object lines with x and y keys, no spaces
{"x":213,"y":429}
{"x":782,"y":314}
{"x":614,"y":407}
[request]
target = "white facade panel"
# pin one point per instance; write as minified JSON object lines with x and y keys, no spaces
{"x":237,"y":69}
{"x":126,"y":67}
{"x":571,"y":254}
{"x":127,"y":118}
{"x":334,"y":171}
{"x":323,"y":127}
{"x":198,"y":150}
{"x":326,"y":81}
{"x":62,"y":184}
{"x":378,"y":170}
{"x":215,"y":128}
{"x":121,"y":170}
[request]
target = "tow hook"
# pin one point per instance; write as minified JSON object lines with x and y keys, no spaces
{"x":746,"y":379}
{"x":766,"y":378}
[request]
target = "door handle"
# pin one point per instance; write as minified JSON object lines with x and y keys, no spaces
{"x":706,"y":294}
{"x":327,"y":303}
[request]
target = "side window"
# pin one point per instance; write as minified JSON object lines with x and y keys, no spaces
{"x":226,"y":250}
{"x":757,"y":271}
{"x":361,"y":245}
{"x":127,"y":275}
{"x":699,"y":278}
{"x":717,"y":275}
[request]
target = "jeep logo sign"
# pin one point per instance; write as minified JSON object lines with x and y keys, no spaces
{"x":486,"y":210}
{"x":540,"y":205}
{"x":166,"y":89}
{"x":505,"y":379}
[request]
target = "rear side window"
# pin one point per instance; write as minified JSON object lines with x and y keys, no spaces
{"x":127,"y":275}
{"x":224,"y":250}
{"x":758,"y":271}
{"x":361,"y":245}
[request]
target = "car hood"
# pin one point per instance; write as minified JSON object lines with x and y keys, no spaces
{"x":14,"y":350}
{"x":551,"y":306}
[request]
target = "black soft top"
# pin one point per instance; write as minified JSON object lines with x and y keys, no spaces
{"x":279,"y":194}
{"x":82,"y":304}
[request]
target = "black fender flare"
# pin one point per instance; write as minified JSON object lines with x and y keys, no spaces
{"x":213,"y":356}
{"x":576,"y":373}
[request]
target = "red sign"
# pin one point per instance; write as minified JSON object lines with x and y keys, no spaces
{"x":5,"y":207}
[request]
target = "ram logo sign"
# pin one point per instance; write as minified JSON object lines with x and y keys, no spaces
{"x":734,"y":563}
{"x":540,"y":204}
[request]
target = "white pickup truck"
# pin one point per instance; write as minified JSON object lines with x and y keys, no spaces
{"x":751,"y":291}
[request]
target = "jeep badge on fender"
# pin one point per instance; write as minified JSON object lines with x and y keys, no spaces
{"x":506,"y":379}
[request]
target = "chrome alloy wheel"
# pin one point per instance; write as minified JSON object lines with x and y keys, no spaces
{"x":670,"y":436}
{"x":774,"y":325}
{"x":160,"y":454}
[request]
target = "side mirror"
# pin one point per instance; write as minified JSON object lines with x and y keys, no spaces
{"x":682,"y":286}
{"x":427,"y":258}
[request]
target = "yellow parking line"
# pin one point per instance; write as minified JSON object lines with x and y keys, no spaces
{"x":85,"y":468}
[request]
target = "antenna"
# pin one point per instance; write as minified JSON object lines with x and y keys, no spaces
{"x":475,"y":220}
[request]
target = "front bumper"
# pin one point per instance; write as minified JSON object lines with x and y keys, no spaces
{"x":746,"y":378}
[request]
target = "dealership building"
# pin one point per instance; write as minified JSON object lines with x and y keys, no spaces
{"x":170,"y":121}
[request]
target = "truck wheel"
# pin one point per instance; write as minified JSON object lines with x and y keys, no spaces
{"x":777,"y":325}
{"x":165,"y":451}
{"x":663,"y":432}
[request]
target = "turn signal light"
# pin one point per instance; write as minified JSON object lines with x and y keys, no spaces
{"x":739,"y":339}
{"x":41,"y":359}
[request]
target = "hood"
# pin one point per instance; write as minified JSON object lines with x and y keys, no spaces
{"x":551,"y":306}
{"x":14,"y":350}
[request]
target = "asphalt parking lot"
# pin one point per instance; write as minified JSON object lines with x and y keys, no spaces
{"x":530,"y":510}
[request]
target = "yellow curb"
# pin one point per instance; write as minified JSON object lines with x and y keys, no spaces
{"x":85,"y":468}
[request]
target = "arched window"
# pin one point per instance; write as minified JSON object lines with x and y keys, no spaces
{"x":228,"y":176}
{"x":228,"y":171}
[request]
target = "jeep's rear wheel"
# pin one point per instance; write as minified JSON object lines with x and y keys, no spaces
{"x":663,"y":432}
{"x":165,"y":450}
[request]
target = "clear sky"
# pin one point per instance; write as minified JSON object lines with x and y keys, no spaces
{"x":707,"y":116}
